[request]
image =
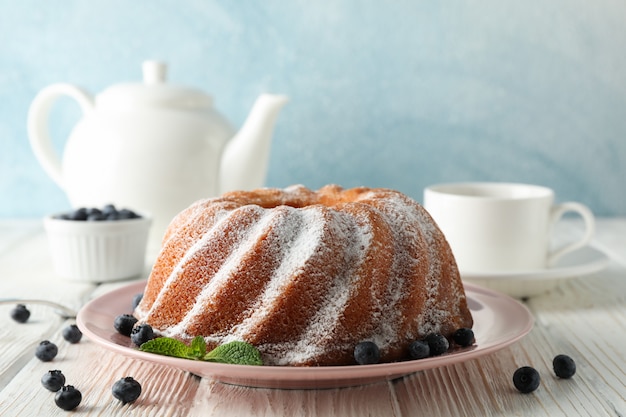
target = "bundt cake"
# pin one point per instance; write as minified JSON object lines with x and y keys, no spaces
{"x":305,"y":276}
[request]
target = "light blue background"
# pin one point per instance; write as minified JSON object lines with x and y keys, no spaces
{"x":396,"y":94}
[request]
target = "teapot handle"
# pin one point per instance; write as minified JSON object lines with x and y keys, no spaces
{"x":38,"y":127}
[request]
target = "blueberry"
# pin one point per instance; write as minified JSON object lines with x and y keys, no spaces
{"x":95,"y":217}
{"x":141,"y":334}
{"x":53,"y":380}
{"x":526,"y":379}
{"x":126,"y":214}
{"x":419,"y":349}
{"x":112,"y":216}
{"x":137,"y":299}
{"x":46,"y":351}
{"x":437,"y":343}
{"x":72,"y":333}
{"x":20,"y":313}
{"x":366,"y":353}
{"x":463,"y":337}
{"x":108,"y":208}
{"x":124,"y":324}
{"x":564,"y":366}
{"x":68,"y":398}
{"x":79,"y":214}
{"x":126,"y":390}
{"x":93,"y":210}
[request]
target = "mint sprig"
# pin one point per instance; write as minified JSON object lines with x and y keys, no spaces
{"x":239,"y":353}
{"x":236,"y":352}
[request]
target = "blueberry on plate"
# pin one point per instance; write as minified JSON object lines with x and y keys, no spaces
{"x":46,"y":351}
{"x":20,"y":313}
{"x":137,"y":299}
{"x":53,"y":380}
{"x":437,"y":343}
{"x":366,"y":353}
{"x":124,"y":324}
{"x":463,"y":337}
{"x":419,"y":349}
{"x":141,"y":334}
{"x":564,"y":366}
{"x":526,"y":379}
{"x":68,"y":398}
{"x":126,"y":389}
{"x":72,"y":333}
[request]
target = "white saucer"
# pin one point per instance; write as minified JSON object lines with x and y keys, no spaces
{"x":521,"y":284}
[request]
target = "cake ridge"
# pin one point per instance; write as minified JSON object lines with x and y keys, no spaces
{"x":228,"y":268}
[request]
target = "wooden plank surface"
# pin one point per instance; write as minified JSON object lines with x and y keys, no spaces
{"x":584,"y":318}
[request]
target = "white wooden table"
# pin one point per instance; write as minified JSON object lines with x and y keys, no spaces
{"x":584,"y":318}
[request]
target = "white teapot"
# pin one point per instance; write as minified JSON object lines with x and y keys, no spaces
{"x":152,"y":146}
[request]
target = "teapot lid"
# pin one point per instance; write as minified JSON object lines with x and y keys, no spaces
{"x":154,"y":92}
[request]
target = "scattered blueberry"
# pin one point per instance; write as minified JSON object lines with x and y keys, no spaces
{"x":137,"y":299}
{"x":463,"y":337}
{"x":526,"y":379}
{"x":53,"y":380}
{"x":437,"y":343}
{"x":46,"y":351}
{"x":564,"y":366}
{"x":141,"y":334}
{"x":20,"y":313}
{"x":366,"y":353}
{"x":68,"y":398}
{"x":108,"y":212}
{"x":419,"y":349}
{"x":124,"y":324}
{"x":126,"y":390}
{"x":72,"y":333}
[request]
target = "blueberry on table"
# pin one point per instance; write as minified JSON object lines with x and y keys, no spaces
{"x":20,"y":313}
{"x":72,"y":333}
{"x":126,"y":389}
{"x":53,"y":380}
{"x":46,"y":351}
{"x":68,"y":398}
{"x":564,"y":366}
{"x":366,"y":353}
{"x":141,"y":334}
{"x":437,"y":343}
{"x":526,"y":379}
{"x":124,"y":324}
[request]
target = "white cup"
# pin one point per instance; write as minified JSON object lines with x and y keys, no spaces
{"x":502,"y":227}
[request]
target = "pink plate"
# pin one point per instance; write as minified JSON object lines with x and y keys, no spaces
{"x":499,"y":321}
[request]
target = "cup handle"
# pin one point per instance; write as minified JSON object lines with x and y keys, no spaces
{"x":558,"y":211}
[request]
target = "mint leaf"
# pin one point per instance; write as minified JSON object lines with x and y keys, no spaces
{"x":238,"y":353}
{"x":166,"y":346}
{"x":198,"y":347}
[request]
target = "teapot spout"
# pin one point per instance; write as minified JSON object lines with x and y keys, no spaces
{"x":246,"y":157}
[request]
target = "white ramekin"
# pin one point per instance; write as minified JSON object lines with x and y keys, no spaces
{"x":98,"y":251}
